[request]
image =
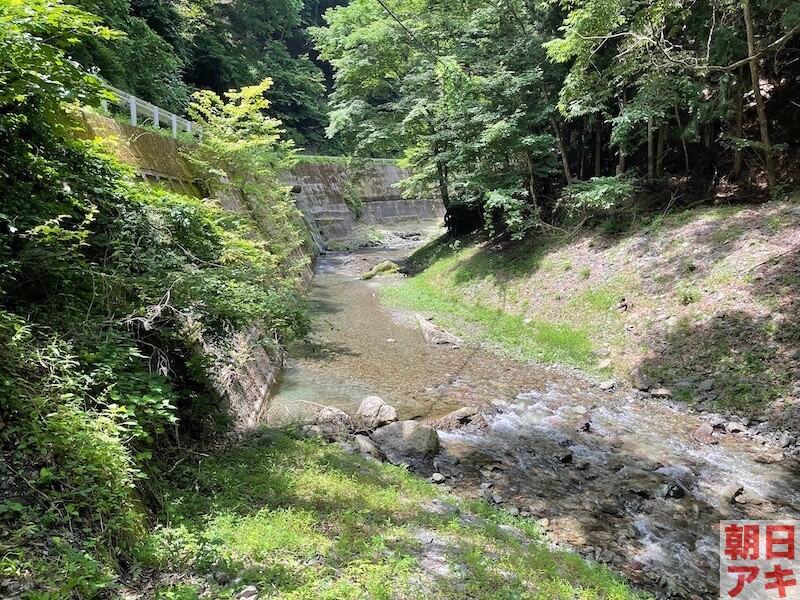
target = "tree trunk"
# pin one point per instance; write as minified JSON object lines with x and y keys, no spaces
{"x":662,"y":140}
{"x":683,"y":139}
{"x":621,"y":164}
{"x":651,"y":150}
{"x":582,"y":151}
{"x":756,"y":79}
{"x":531,"y":180}
{"x":441,"y":174}
{"x":562,"y":149}
{"x":598,"y":149}
{"x":738,"y":131}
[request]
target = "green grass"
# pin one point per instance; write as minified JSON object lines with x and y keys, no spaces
{"x":540,"y":340}
{"x":300,"y":518}
{"x":601,"y":298}
{"x":482,"y":290}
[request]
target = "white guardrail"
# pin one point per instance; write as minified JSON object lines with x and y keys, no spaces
{"x":145,"y":113}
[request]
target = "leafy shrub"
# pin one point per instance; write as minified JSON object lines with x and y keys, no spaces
{"x":688,"y":294}
{"x":517,"y":213}
{"x":107,"y":289}
{"x":352,"y":197}
{"x":597,"y":195}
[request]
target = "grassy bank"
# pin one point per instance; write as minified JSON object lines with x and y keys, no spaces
{"x":705,"y":301}
{"x":304,"y":519}
{"x":512,"y":333}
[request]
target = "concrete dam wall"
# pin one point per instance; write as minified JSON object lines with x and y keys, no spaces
{"x":324,"y":186}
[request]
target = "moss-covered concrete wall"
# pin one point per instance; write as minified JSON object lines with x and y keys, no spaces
{"x":156,"y":158}
{"x":244,"y":377}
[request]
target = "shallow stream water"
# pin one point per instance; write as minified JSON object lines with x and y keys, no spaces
{"x":636,"y":491}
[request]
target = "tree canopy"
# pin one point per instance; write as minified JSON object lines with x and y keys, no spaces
{"x":171,"y":47}
{"x":501,"y":107}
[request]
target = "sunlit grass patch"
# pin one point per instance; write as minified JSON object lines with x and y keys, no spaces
{"x":338,"y":526}
{"x":516,"y":335}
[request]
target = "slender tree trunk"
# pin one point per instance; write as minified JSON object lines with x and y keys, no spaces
{"x":738,"y":131}
{"x":756,"y":79}
{"x":683,"y":139}
{"x":621,"y":164}
{"x":441,"y":175}
{"x":582,"y":151}
{"x":651,"y":150}
{"x":598,"y":149}
{"x":562,"y":149}
{"x":531,"y":180}
{"x":662,"y":140}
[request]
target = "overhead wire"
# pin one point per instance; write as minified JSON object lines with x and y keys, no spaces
{"x":411,"y":35}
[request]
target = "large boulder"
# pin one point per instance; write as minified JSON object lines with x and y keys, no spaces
{"x":467,"y":417}
{"x":367,"y":447}
{"x":640,"y":380}
{"x":407,"y":442}
{"x":374,"y":413}
{"x":383,"y":268}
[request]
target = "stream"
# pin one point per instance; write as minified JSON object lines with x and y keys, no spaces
{"x":615,"y":475}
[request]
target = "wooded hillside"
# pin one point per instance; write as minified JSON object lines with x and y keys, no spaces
{"x":522,"y":114}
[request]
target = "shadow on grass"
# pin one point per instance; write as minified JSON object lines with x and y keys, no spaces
{"x":349,"y":527}
{"x":751,"y":356}
{"x":715,"y":235}
{"x":276,"y":500}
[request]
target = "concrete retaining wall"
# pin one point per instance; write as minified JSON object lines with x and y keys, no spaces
{"x":322,"y":197}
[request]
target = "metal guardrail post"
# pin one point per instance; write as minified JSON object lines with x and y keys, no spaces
{"x":174,"y":120}
{"x":155,"y":117}
{"x":132,"y":103}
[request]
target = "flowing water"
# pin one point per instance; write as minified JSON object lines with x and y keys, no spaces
{"x":636,"y":490}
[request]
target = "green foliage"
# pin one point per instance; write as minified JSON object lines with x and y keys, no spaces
{"x":497,"y":107}
{"x":353,"y":197}
{"x":241,"y":146}
{"x":34,"y":36}
{"x":148,"y":60}
{"x":171,"y":47}
{"x":597,"y":195}
{"x":110,"y":292}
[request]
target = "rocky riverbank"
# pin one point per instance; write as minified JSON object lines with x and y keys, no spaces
{"x":571,"y":469}
{"x":631,"y":476}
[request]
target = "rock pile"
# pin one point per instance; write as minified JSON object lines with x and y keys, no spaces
{"x":374,"y":431}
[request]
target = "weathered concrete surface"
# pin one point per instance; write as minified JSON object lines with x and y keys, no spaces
{"x":243,"y":375}
{"x":322,"y":197}
{"x":156,"y":158}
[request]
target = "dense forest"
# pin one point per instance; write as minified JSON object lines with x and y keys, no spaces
{"x":523,"y":113}
{"x":113,"y":327}
{"x":518,"y":115}
{"x":169,"y":49}
{"x":120,"y":303}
